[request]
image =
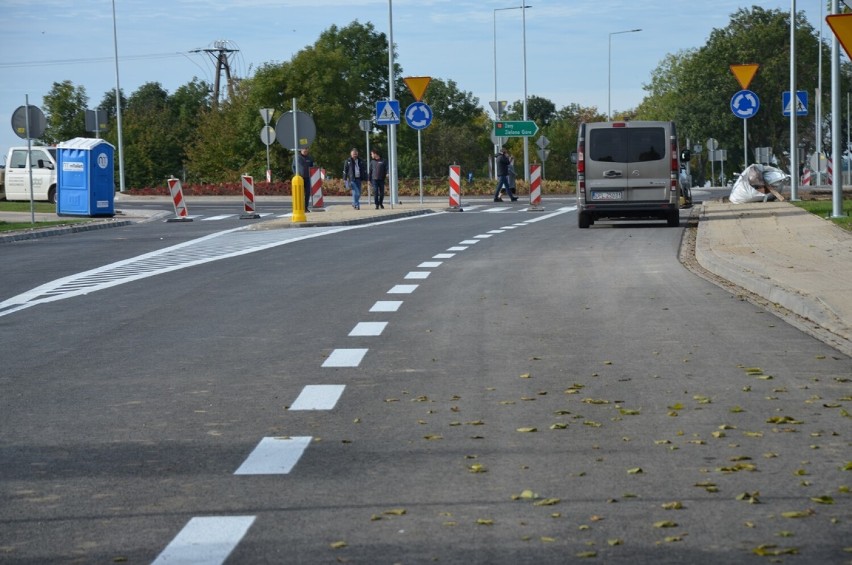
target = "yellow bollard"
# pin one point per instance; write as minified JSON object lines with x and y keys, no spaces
{"x":297,"y":193}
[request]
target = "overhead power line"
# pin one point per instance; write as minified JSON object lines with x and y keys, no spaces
{"x":54,"y":62}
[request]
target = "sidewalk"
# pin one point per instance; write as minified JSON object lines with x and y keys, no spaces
{"x":784,"y":254}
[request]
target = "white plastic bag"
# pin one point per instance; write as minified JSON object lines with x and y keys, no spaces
{"x":744,"y":191}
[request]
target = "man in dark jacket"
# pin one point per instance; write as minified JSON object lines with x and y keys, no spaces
{"x":378,"y":172}
{"x":305,"y":164}
{"x":354,"y":171}
{"x":502,"y":164}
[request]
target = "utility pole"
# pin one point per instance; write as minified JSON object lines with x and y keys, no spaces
{"x":221,"y":53}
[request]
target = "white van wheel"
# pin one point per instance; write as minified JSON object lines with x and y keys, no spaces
{"x":583,"y":220}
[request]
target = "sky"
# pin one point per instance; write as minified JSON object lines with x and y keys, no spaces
{"x":571,"y":56}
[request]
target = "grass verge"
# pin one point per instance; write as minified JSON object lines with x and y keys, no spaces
{"x":41,"y":208}
{"x":824,"y":208}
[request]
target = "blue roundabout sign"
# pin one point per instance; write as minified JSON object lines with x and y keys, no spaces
{"x":744,"y":104}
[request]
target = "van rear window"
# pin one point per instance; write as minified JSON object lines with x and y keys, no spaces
{"x":627,"y":145}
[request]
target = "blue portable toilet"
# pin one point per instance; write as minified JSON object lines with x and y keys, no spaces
{"x":85,"y":180}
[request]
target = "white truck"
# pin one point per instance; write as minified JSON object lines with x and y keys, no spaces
{"x":16,"y":182}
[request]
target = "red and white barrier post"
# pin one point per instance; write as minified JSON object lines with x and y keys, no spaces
{"x":455,"y":190}
{"x":317,"y":202}
{"x":176,"y":191}
{"x":249,"y":208}
{"x":535,"y":186}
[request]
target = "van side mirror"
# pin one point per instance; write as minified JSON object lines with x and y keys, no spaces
{"x":685,"y":155}
{"x":574,"y":157}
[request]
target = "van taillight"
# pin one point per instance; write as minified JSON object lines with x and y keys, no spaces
{"x":619,"y":124}
{"x":581,"y":168}
{"x":674,"y":165}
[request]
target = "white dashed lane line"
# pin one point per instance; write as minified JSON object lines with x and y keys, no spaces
{"x":418,"y":275}
{"x":444,"y":256}
{"x":318,"y":397}
{"x":403,"y":289}
{"x":345,"y":358}
{"x":368,"y":329}
{"x":274,"y":456}
{"x":386,"y":306}
{"x":206,"y":540}
{"x":429,"y":264}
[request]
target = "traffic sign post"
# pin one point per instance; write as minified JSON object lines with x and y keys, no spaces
{"x":515,"y":128}
{"x":418,"y":116}
{"x":267,"y":136}
{"x":745,"y":104}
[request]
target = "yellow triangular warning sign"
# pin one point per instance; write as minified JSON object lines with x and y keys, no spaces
{"x":744,"y":74}
{"x":417,"y":86}
{"x":841,"y":25}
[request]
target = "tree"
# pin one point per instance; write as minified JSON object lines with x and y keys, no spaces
{"x":337,"y":81}
{"x":455,"y":135}
{"x":694,"y":88}
{"x":65,"y":111}
{"x":562,"y":133}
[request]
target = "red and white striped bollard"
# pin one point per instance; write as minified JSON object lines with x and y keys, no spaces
{"x":176,"y":191}
{"x":317,"y":202}
{"x":455,"y":190}
{"x":249,"y":208}
{"x":535,"y":186}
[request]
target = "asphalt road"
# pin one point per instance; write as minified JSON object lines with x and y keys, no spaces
{"x":504,"y":388}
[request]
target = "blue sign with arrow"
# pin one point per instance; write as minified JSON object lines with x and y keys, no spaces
{"x":418,"y":115}
{"x":744,"y":104}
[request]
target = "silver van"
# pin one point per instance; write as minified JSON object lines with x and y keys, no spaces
{"x":628,"y":170}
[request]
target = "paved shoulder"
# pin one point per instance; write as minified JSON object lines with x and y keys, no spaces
{"x":784,"y":254}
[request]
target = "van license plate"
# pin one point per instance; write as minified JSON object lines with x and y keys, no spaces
{"x":608,"y":195}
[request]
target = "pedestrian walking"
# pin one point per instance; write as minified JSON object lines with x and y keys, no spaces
{"x":305,"y":163}
{"x":502,"y":164}
{"x":512,"y":176}
{"x":354,"y":172}
{"x":378,"y":172}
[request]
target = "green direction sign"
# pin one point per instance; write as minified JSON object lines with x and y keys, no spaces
{"x":515,"y":129}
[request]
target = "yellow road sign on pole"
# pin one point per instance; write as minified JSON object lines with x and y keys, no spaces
{"x":744,"y":73}
{"x":841,"y":25}
{"x":417,"y":86}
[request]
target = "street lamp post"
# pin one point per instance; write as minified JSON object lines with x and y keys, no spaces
{"x":609,"y":71}
{"x":496,"y":101}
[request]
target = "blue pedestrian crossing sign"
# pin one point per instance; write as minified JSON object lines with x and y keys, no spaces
{"x":387,"y":112}
{"x":744,"y":104}
{"x":801,"y":102}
